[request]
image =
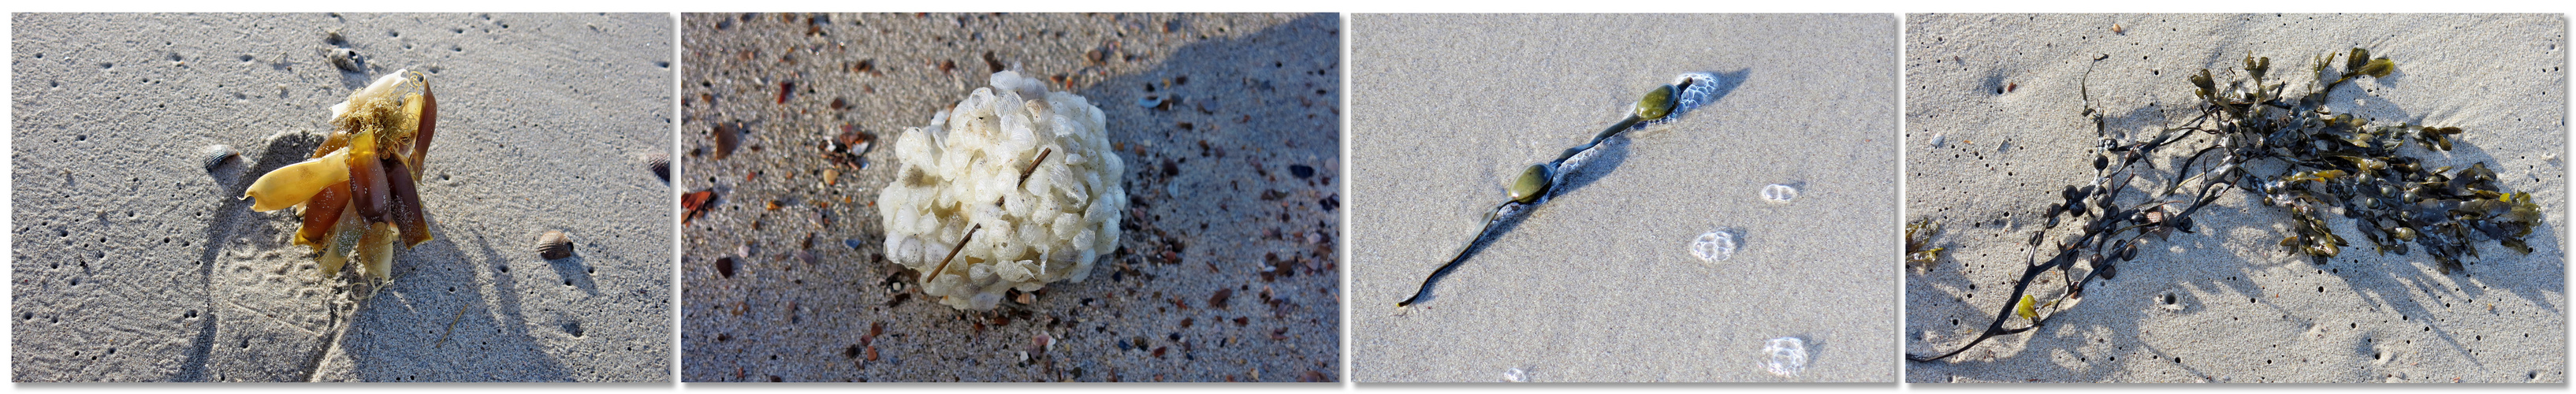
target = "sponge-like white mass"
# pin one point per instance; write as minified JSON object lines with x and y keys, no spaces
{"x":963,"y":176}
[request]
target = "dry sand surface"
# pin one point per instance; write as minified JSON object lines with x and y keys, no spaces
{"x":2001,"y":95}
{"x":1599,"y":284}
{"x":1226,"y":269}
{"x":131,"y":262}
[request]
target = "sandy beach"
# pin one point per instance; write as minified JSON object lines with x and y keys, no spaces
{"x":1599,"y":285}
{"x":132,"y":262}
{"x":1994,"y":132}
{"x":1226,"y":270}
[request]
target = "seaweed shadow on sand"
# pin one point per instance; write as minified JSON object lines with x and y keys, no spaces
{"x":2293,"y":153}
{"x":380,"y":335}
{"x":232,"y":214}
{"x":382,"y":340}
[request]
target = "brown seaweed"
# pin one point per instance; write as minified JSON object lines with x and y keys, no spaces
{"x":358,"y":192}
{"x":406,"y":212}
{"x":2294,"y":153}
{"x":367,"y":186}
{"x":321,"y":213}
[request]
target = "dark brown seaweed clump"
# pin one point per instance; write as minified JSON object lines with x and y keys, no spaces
{"x":2297,"y":155}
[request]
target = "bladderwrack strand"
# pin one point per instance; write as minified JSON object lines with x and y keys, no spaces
{"x":1538,"y":183}
{"x":1495,"y":223}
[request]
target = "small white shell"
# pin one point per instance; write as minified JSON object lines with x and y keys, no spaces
{"x":344,"y":58}
{"x":213,"y":156}
{"x":553,"y":245}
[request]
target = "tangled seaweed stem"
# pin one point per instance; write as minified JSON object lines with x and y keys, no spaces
{"x":1535,"y":186}
{"x":2326,"y":160}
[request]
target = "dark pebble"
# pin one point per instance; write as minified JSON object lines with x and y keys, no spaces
{"x":1301,"y":170}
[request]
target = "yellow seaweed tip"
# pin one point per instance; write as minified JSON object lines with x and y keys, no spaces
{"x":2025,"y":308}
{"x":292,"y":185}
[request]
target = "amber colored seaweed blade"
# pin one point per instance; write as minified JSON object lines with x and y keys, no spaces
{"x":406,"y":211}
{"x":428,"y":116}
{"x":321,"y":214}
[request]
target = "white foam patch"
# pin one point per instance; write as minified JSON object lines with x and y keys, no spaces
{"x":1714,"y":246}
{"x":1785,"y":356}
{"x":1779,"y":194}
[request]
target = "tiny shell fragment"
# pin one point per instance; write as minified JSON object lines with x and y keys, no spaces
{"x":728,"y":136}
{"x":854,"y":141}
{"x":660,"y":164}
{"x":696,"y":203}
